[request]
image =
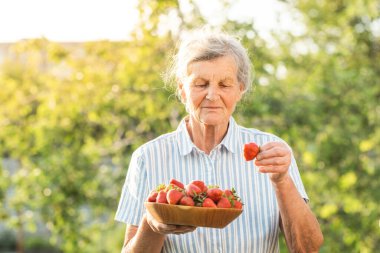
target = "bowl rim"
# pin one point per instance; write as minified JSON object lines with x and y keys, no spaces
{"x":233,"y":213}
{"x":226,"y":215}
{"x":194,"y":207}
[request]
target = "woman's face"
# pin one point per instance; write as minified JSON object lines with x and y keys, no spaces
{"x":211,"y":90}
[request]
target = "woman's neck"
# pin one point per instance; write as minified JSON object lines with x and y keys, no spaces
{"x":205,"y":137}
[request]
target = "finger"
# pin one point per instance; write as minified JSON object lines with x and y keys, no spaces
{"x":274,"y":152}
{"x":179,"y":230}
{"x":166,"y":228}
{"x":182,"y":232}
{"x":159,"y":227}
{"x":162,"y":228}
{"x":273,"y":169}
{"x":151,"y":220}
{"x":273,"y":161}
{"x":185,"y":229}
{"x":270,"y":145}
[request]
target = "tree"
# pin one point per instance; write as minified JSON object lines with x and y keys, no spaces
{"x":72,"y":114}
{"x":326,"y":107}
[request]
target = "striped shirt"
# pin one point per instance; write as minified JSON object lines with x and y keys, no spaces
{"x":174,"y":155}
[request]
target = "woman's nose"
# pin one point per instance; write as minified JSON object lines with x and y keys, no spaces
{"x":212,"y":93}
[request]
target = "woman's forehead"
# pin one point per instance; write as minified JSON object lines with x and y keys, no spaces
{"x":221,"y":67}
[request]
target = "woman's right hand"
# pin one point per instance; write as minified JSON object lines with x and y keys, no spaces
{"x":166,"y":229}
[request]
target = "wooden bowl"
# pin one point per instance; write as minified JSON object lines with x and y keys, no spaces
{"x":192,"y":216}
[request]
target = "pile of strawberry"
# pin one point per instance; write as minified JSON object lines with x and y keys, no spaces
{"x":196,"y":193}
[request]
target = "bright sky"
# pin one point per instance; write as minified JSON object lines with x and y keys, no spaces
{"x":83,"y":20}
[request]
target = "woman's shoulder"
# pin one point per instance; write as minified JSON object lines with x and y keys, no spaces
{"x":158,"y":142}
{"x":253,"y":133}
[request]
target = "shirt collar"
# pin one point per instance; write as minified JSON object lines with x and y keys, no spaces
{"x":230,"y":141}
{"x":183,"y":139}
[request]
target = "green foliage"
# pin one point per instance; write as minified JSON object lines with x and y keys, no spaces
{"x":40,"y":245}
{"x":71,"y":117}
{"x":72,"y":114}
{"x":327,"y":108}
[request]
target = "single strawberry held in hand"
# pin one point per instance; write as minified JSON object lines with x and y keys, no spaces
{"x":250,"y":151}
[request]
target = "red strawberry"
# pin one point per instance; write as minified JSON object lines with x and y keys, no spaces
{"x":215,"y":194}
{"x":250,"y":151}
{"x":237,"y":204}
{"x":173,"y":196}
{"x":192,"y":190}
{"x":187,"y":201}
{"x":177,"y":183}
{"x":229,"y":194}
{"x":200,"y":184}
{"x":224,"y":203}
{"x":208,"y":203}
{"x":171,"y":186}
{"x":152,"y":196}
{"x":161,"y":197}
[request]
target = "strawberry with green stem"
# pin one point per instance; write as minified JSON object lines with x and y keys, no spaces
{"x":187,"y":201}
{"x":192,"y":190}
{"x":161,"y":197}
{"x":174,"y":196}
{"x":177,"y":183}
{"x":154,"y":193}
{"x":214,"y":193}
{"x":233,"y":198}
{"x":200,"y":184}
{"x":207,"y":202}
{"x":224,"y":202}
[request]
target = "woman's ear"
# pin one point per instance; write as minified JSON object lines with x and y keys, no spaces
{"x":181,"y":92}
{"x":241,"y":87}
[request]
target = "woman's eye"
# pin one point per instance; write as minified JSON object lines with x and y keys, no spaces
{"x":201,"y":85}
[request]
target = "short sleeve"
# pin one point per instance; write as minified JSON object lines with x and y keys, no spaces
{"x":131,"y":204}
{"x":295,"y":174}
{"x":296,"y":177}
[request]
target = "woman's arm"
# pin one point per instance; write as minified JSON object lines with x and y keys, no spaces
{"x":150,"y":235}
{"x":142,"y":239}
{"x":301,"y":228}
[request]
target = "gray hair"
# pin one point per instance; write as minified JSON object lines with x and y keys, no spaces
{"x":204,"y":46}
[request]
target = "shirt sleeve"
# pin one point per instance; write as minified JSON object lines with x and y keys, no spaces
{"x":131,"y":204}
{"x":296,"y":177}
{"x":295,"y":174}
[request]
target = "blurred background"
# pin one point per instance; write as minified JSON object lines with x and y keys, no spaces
{"x":81,"y":88}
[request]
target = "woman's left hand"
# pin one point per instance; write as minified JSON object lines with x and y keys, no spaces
{"x":274,"y":158}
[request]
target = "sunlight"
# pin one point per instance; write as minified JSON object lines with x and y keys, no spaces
{"x":90,"y":20}
{"x":67,"y":20}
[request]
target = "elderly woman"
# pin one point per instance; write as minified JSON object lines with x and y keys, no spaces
{"x":212,"y":72}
